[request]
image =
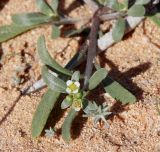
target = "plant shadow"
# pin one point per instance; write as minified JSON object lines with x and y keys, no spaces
{"x":71,"y":7}
{"x":1,"y":54}
{"x":3,"y":3}
{"x":56,"y":114}
{"x":78,"y":125}
{"x":125,"y":78}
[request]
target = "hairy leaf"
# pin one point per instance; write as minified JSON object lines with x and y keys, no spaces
{"x":118,"y":30}
{"x":55,"y":32}
{"x":97,"y":77}
{"x":44,"y":7}
{"x":43,"y":111}
{"x":53,"y":82}
{"x":117,"y":91}
{"x":47,"y":59}
{"x":66,"y":127}
{"x":10,"y":31}
{"x":136,"y":11}
{"x":29,"y":19}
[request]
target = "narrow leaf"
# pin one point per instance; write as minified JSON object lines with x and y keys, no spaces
{"x":55,"y":32}
{"x":117,"y":91}
{"x":44,"y":7}
{"x":10,"y":31}
{"x":53,"y":82}
{"x":43,"y":111}
{"x":54,"y":5}
{"x":142,"y":2}
{"x":66,"y":127}
{"x":156,"y":19}
{"x":97,"y":77}
{"x":29,"y":19}
{"x":136,"y":11}
{"x":47,"y":59}
{"x":74,"y":32}
{"x":118,"y":30}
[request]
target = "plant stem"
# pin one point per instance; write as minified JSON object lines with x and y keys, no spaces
{"x":92,"y":48}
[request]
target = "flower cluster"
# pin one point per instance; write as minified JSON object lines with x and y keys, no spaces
{"x":74,"y":97}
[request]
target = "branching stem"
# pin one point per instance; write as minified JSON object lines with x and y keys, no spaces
{"x":92,"y":48}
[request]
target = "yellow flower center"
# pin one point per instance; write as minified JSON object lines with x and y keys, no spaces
{"x":73,"y":87}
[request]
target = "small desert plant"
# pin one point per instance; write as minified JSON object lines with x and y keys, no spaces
{"x":65,"y":80}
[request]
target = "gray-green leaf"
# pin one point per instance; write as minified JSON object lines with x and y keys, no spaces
{"x":10,"y":31}
{"x":66,"y":127}
{"x":49,"y":132}
{"x":119,"y":29}
{"x":76,"y":76}
{"x":54,"y":5}
{"x":97,"y":77}
{"x":44,"y":7}
{"x":117,"y":91}
{"x":136,"y":11}
{"x":53,"y":82}
{"x":47,"y":59}
{"x":142,"y":2}
{"x":43,"y":111}
{"x":29,"y":19}
{"x":65,"y":103}
{"x":55,"y":32}
{"x":74,"y":32}
{"x":156,"y":19}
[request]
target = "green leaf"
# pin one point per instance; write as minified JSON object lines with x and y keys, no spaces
{"x":29,"y":19}
{"x":111,"y":3}
{"x":76,"y":76}
{"x":118,"y":30}
{"x":54,"y":5}
{"x":117,"y":91}
{"x":102,"y":2}
{"x":47,"y":59}
{"x":74,"y":32}
{"x":119,"y":6}
{"x":10,"y":31}
{"x":44,"y":7}
{"x":156,"y":19}
{"x":136,"y":11}
{"x":97,"y":77}
{"x":66,"y":127}
{"x":53,"y":82}
{"x":43,"y":111}
{"x":125,"y":2}
{"x":66,"y":103}
{"x":142,"y":2}
{"x":55,"y":32}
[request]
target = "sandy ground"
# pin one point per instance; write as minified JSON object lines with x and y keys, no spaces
{"x":134,"y":62}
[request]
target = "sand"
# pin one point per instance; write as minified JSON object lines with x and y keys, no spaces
{"x":133,"y":62}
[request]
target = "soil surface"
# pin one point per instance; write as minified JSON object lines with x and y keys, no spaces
{"x":134,"y":62}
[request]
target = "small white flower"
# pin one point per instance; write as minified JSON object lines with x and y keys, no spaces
{"x":72,"y":87}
